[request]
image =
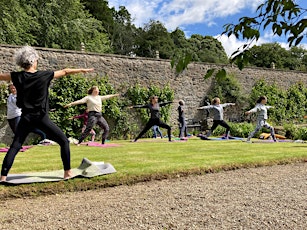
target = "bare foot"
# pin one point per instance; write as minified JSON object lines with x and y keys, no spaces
{"x":67,"y":174}
{"x":2,"y":178}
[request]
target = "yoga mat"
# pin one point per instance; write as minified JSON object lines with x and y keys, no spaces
{"x":271,"y":141}
{"x":220,"y":138}
{"x":86,"y":169}
{"x":97,"y":144}
{"x":24,"y":148}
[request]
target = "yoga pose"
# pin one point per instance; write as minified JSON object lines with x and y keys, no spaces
{"x":14,"y":113}
{"x":218,"y":115}
{"x":154,"y":108}
{"x":182,"y":123}
{"x":94,"y":104}
{"x":84,"y":116}
{"x":262,"y":115}
{"x":32,"y":87}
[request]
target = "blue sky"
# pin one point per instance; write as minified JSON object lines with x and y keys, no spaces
{"x":205,"y":17}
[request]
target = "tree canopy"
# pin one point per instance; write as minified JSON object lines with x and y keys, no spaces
{"x":71,"y":23}
{"x":282,"y":17}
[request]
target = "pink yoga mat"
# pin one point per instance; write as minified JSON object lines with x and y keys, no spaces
{"x":24,"y":148}
{"x":97,"y":144}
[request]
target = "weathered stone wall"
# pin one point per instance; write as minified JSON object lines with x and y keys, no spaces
{"x":124,"y":71}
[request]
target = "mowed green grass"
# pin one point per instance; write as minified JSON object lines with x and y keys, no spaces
{"x":149,"y":159}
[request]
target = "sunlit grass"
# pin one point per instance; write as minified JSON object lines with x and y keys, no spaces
{"x":150,"y":159}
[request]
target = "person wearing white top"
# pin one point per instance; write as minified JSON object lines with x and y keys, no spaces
{"x":94,"y":105}
{"x":13,"y":111}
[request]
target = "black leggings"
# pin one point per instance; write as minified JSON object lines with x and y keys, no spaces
{"x":153,"y":122}
{"x":95,"y":118}
{"x":221,"y":123}
{"x":27,"y":123}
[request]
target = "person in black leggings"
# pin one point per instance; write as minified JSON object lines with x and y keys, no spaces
{"x":32,"y":87}
{"x":154,"y":108}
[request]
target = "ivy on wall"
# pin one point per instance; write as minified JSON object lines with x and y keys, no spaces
{"x":290,"y":106}
{"x":4,"y":93}
{"x":139,"y":95}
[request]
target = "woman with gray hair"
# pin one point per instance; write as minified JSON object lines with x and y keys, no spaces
{"x":32,"y":87}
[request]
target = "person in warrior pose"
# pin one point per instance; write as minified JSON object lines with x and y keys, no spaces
{"x":218,"y":115}
{"x":154,"y":107}
{"x":262,"y":115}
{"x":94,"y":104}
{"x":33,"y":99}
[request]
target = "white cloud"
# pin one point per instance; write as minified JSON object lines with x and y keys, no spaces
{"x":232,"y":44}
{"x":185,"y":14}
{"x":182,"y":13}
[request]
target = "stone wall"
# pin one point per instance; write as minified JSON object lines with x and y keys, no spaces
{"x":124,"y":71}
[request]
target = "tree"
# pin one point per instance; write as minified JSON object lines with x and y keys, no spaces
{"x":266,"y":54}
{"x":154,"y":37}
{"x":65,"y":25}
{"x":118,"y":25}
{"x":283,"y":17}
{"x":16,"y":23}
{"x":207,"y":49}
{"x":124,"y":32}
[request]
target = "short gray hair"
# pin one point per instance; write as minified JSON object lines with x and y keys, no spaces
{"x":26,"y":56}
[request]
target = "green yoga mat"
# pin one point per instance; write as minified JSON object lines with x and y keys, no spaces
{"x":86,"y":169}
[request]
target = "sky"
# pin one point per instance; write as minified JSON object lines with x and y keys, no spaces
{"x":204,"y":17}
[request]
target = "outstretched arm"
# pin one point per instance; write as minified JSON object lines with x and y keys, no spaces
{"x":254,"y":110}
{"x":165,"y":103}
{"x":65,"y":72}
{"x":206,"y":107}
{"x":5,"y":76}
{"x":81,"y":101}
{"x":139,"y":106}
{"x":105,"y":97}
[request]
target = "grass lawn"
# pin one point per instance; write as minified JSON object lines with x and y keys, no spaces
{"x":148,"y":159}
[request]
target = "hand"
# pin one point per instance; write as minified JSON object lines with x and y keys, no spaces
{"x":87,"y":70}
{"x":68,"y":105}
{"x":246,"y":113}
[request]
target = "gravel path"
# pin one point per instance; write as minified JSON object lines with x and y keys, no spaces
{"x":258,"y":198}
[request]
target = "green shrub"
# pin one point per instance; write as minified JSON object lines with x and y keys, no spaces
{"x":139,"y":95}
{"x":123,"y":123}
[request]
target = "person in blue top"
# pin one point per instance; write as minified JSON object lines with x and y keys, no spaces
{"x":154,"y":108}
{"x":262,"y":115}
{"x":218,"y":115}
